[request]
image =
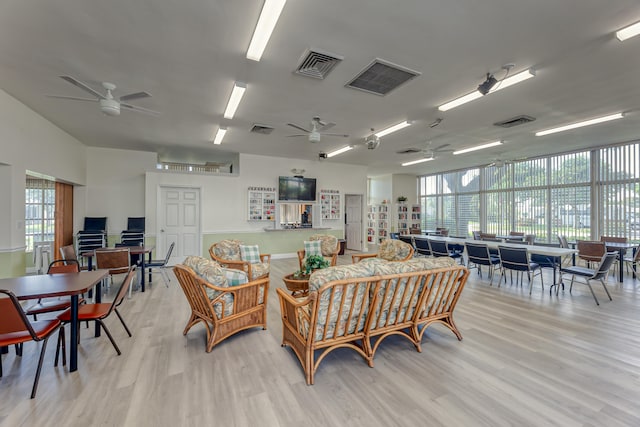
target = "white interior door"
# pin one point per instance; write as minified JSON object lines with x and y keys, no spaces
{"x":353,"y":226}
{"x":179,"y":222}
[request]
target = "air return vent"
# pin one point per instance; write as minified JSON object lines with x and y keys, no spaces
{"x":381,"y":77}
{"x":317,"y":64}
{"x":515,"y":121}
{"x":263,"y":129}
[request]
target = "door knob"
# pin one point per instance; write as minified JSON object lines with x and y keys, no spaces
{"x":162,"y":230}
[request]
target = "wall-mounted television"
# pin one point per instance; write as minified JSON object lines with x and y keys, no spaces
{"x":296,"y":189}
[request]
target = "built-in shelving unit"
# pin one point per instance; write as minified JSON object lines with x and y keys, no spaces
{"x":407,"y":217}
{"x":262,"y":203}
{"x":330,"y":204}
{"x":378,"y":225}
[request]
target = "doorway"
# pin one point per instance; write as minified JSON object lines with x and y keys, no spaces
{"x":179,"y":222}
{"x":353,"y":221}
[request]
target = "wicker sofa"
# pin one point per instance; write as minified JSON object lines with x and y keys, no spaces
{"x":357,"y":306}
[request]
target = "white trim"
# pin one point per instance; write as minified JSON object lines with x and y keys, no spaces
{"x":285,"y":255}
{"x":16,"y":249}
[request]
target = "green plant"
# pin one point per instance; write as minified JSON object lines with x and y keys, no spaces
{"x":313,"y":262}
{"x":402,"y":199}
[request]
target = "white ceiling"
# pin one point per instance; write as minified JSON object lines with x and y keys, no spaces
{"x":188,"y":54}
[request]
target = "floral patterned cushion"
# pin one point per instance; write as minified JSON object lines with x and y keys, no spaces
{"x":212,"y":272}
{"x":259,"y":270}
{"x":394,"y":250}
{"x":328,"y":244}
{"x":337,"y":321}
{"x":398,"y":304}
{"x":228,"y":249}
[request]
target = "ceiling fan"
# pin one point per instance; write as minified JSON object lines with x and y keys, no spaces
{"x":108,"y":104}
{"x":318,"y":128}
{"x":429,"y":151}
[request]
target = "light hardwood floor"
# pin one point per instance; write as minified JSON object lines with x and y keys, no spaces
{"x":525,"y":360}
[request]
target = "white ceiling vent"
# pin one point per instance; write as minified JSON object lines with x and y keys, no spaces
{"x":317,"y":64}
{"x":263,"y":129}
{"x":381,"y":77}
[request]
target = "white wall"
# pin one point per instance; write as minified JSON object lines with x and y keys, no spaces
{"x":224,"y":198}
{"x":381,"y":188}
{"x":115,"y":187}
{"x":30,"y":142}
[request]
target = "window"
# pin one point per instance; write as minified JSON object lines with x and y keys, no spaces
{"x":39,"y":211}
{"x":579,"y":195}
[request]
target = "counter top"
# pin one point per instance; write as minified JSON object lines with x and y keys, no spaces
{"x":297,"y":229}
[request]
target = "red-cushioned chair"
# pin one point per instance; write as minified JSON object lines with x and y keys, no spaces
{"x":58,"y":304}
{"x":16,"y":329}
{"x":97,"y":312}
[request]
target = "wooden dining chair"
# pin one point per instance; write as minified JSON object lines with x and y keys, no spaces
{"x":116,"y":260}
{"x":590,"y":251}
{"x":97,"y":313}
{"x":15,"y":329}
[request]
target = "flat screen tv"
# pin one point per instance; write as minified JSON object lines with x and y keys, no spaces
{"x":295,"y":189}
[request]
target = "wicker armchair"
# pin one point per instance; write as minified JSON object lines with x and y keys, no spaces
{"x":227,"y":254}
{"x":223,"y":309}
{"x":330,"y":247}
{"x":390,"y":250}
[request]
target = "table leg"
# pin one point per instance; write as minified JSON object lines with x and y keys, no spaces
{"x":149,"y":262}
{"x":142,"y":278}
{"x":73,"y":345}
{"x":634,"y":265}
{"x":620,"y":262}
{"x":98,"y":300}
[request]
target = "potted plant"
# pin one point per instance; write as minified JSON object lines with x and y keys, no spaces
{"x":312,"y":263}
{"x":402,"y":199}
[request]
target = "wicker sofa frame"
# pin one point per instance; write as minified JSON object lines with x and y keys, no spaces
{"x":249,"y":305}
{"x":427,"y":297}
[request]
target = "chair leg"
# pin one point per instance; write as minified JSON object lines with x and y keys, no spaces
{"x":109,"y":335}
{"x":35,"y":382}
{"x":165,"y":276}
{"x":592,"y":293}
{"x":605,"y":289}
{"x":18,"y":348}
{"x":122,"y":321}
{"x":62,"y":344}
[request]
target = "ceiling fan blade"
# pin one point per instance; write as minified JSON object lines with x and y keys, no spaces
{"x":298,"y":127}
{"x":441,"y":147}
{"x":326,"y":126}
{"x":136,"y":95}
{"x":139,"y":109}
{"x":82,"y":86}
{"x":335,"y":134}
{"x":298,"y":134}
{"x":75,"y":98}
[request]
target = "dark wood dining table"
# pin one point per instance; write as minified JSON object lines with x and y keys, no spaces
{"x":133,"y":250}
{"x":58,"y":285}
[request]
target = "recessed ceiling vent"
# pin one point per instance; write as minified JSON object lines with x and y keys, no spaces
{"x":263,"y":129}
{"x":515,"y":121}
{"x":317,"y":64}
{"x":381,"y":77}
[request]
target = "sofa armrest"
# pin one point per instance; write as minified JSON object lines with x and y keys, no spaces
{"x":245,"y":297}
{"x":360,"y":257}
{"x":296,"y":313}
{"x":266,"y":258}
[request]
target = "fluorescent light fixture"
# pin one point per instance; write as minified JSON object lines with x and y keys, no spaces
{"x":392,"y":129}
{"x":581,"y":124}
{"x":415,"y":162}
{"x":628,"y":32}
{"x":509,"y":81}
{"x":266,"y":23}
{"x":340,"y":151}
{"x":234,"y":99}
{"x":478,"y":147}
{"x":219,"y":135}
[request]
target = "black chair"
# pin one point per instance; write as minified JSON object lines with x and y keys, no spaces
{"x":517,"y":259}
{"x":592,"y":274}
{"x":395,"y":236}
{"x":439,"y":248}
{"x":421,"y":246}
{"x":161,"y":265}
{"x":478,"y":255}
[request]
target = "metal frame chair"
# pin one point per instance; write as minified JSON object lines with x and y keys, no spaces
{"x":422,"y":247}
{"x":589,"y":274}
{"x":440,"y":248}
{"x":478,"y":255}
{"x":517,"y":259}
{"x":16,"y":329}
{"x":161,"y":264}
{"x":57,"y":304}
{"x":116,"y":260}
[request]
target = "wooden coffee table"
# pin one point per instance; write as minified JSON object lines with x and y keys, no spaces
{"x":297,"y":287}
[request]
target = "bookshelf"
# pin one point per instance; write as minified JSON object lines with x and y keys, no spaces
{"x":262,"y":203}
{"x":330,"y":204}
{"x":378,"y":223}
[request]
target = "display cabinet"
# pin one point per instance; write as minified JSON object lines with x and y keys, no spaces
{"x":330,"y":204}
{"x":262,"y":203}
